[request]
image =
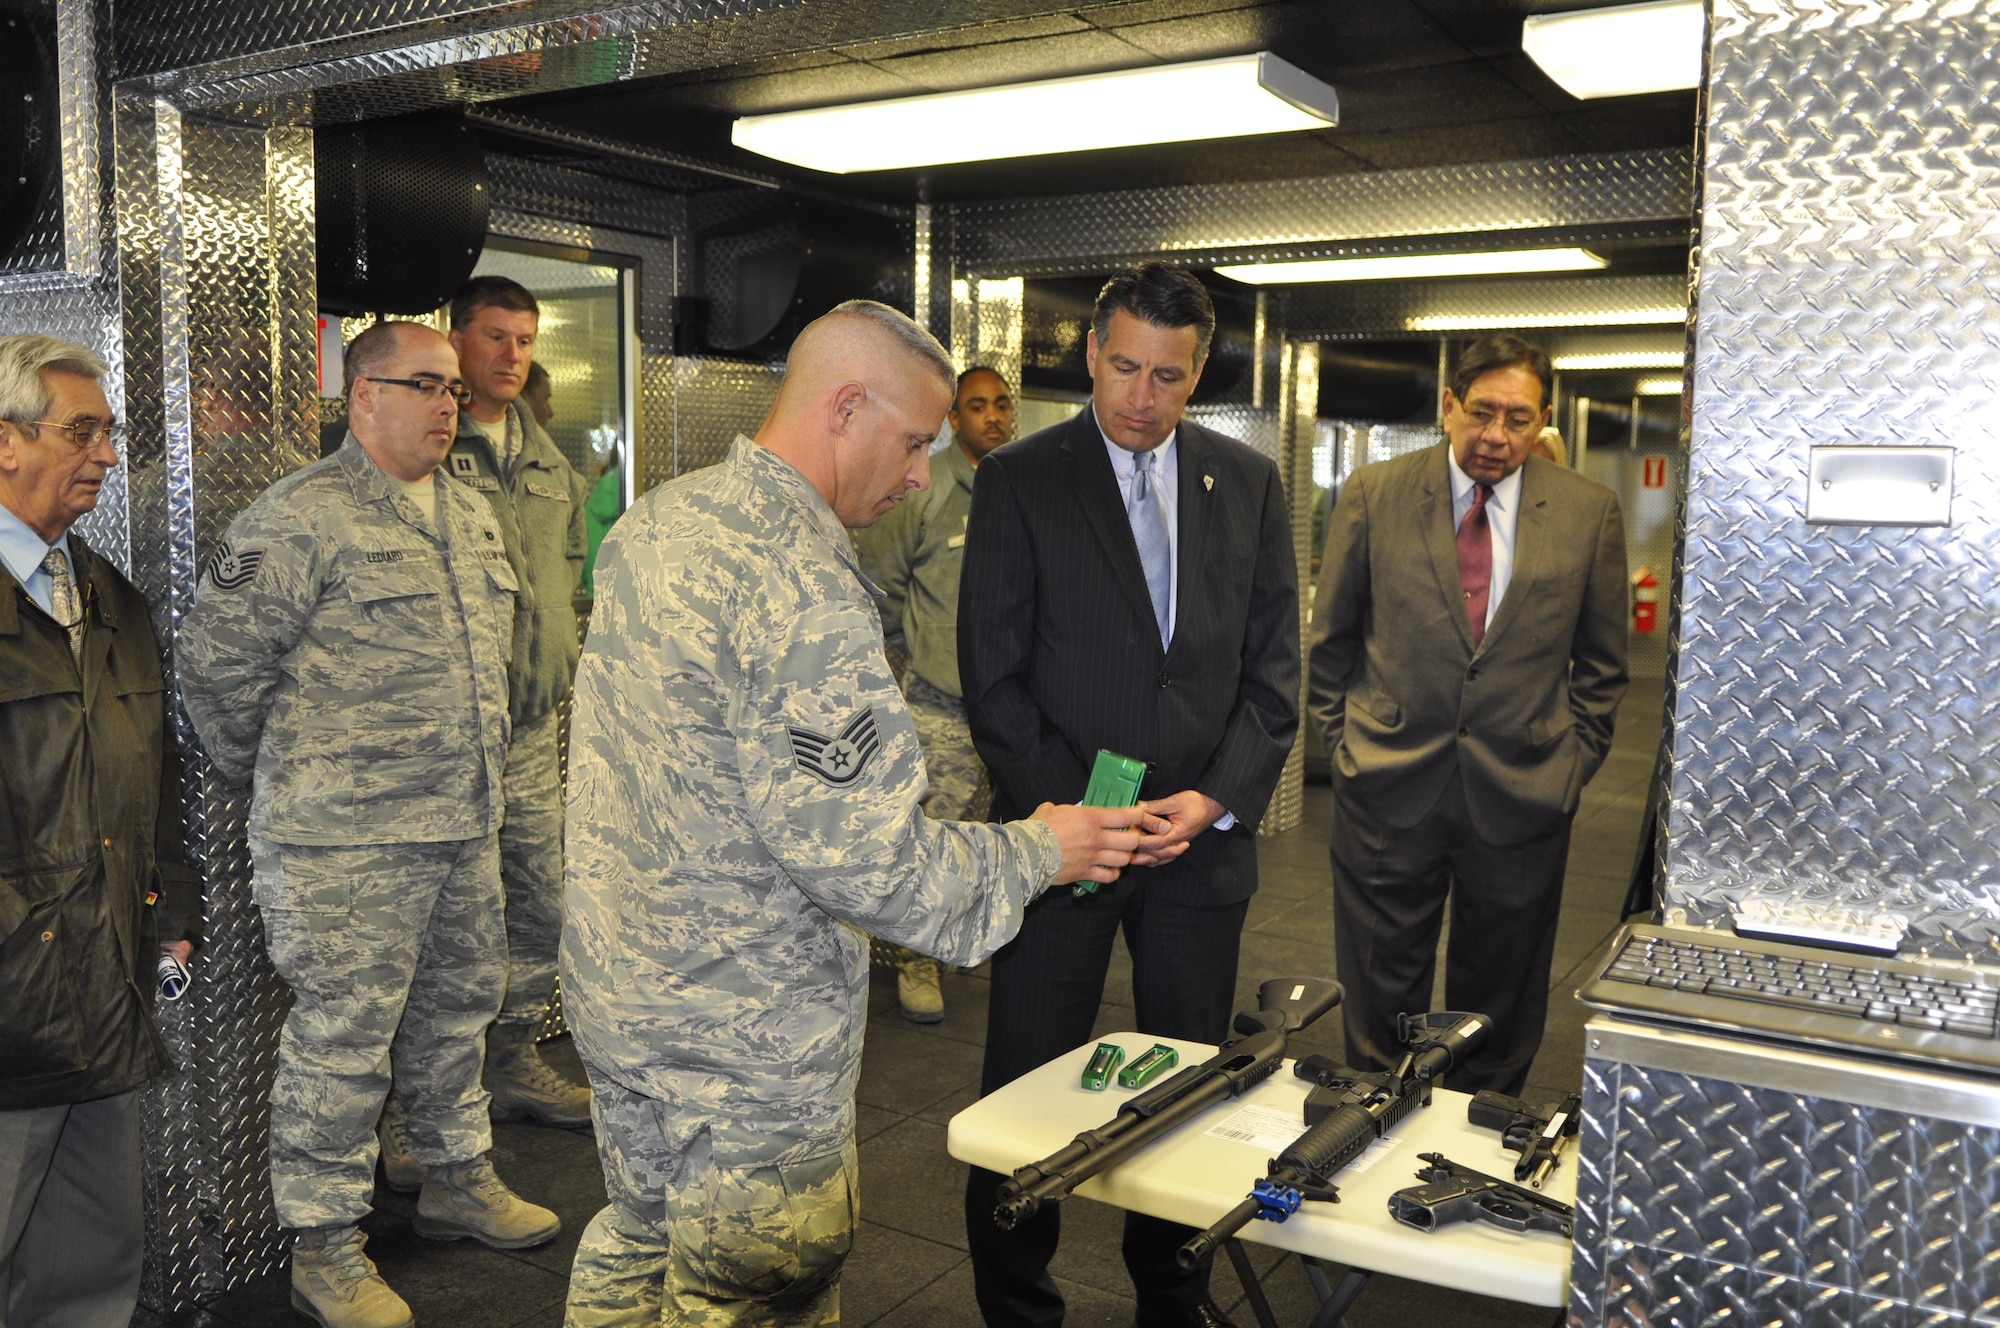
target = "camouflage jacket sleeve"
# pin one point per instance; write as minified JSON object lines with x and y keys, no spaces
{"x":887,"y":553}
{"x":251,"y":604}
{"x":832,"y":775}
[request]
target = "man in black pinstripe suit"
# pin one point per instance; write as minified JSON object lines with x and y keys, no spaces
{"x":1129,"y":584}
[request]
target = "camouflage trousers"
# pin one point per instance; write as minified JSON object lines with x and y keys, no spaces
{"x":394,"y":956}
{"x":531,"y":869}
{"x":685,"y":1242}
{"x":960,"y":787}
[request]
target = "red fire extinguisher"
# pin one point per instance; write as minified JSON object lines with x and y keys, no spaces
{"x":1645,"y":600}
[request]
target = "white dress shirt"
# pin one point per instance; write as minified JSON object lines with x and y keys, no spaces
{"x":1503,"y":514}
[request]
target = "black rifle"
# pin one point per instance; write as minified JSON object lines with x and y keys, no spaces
{"x":1539,"y":1133}
{"x":1453,"y":1193}
{"x":1346,"y":1111}
{"x":1284,"y":1005}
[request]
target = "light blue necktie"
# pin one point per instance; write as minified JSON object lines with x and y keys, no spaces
{"x":1149,"y":530}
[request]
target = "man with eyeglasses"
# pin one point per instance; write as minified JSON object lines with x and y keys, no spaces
{"x":1467,"y":659}
{"x":538,"y":503}
{"x":347,"y":656}
{"x":90,"y":855}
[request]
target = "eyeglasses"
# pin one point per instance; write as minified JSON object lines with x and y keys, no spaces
{"x":1517,"y":424}
{"x":86,"y":434}
{"x":430,"y":387}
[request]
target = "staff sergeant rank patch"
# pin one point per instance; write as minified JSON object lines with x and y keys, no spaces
{"x":228,"y":569}
{"x":839,"y":760}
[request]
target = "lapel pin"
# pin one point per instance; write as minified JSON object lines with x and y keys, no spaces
{"x":1208,"y":481}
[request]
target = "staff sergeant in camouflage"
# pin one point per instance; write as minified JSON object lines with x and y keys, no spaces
{"x":347,"y":655}
{"x":744,"y":790}
{"x":538,"y":503}
{"x":913,"y":556}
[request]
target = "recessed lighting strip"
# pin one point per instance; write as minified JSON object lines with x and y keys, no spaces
{"x":1568,"y":318}
{"x":1621,"y":51}
{"x":1227,"y":98}
{"x":1645,"y":359}
{"x":1398,"y":267}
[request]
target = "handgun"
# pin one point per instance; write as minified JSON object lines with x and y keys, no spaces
{"x":1540,"y":1133}
{"x":1453,"y":1193}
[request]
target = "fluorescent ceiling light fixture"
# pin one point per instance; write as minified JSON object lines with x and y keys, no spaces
{"x":1393,"y":267}
{"x":1619,"y":52}
{"x":1243,"y":94}
{"x":1503,"y":322}
{"x":1659,"y":387}
{"x":1634,"y":359}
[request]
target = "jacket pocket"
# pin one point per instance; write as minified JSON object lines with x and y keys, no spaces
{"x":1377,"y":705}
{"x":42,"y":1033}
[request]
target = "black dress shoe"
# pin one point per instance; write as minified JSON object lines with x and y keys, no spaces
{"x":1209,"y":1315}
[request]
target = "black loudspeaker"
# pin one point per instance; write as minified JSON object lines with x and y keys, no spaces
{"x":1394,"y":381}
{"x":402,"y":210}
{"x":768,"y":272}
{"x":29,"y":151}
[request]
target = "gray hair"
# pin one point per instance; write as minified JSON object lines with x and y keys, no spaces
{"x":24,"y":358}
{"x":907,"y":330}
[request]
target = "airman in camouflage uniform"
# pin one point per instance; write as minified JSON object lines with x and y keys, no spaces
{"x":348,"y":654}
{"x":913,"y":556}
{"x":744,"y":790}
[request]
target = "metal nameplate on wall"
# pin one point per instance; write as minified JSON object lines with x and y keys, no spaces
{"x":1879,"y":486}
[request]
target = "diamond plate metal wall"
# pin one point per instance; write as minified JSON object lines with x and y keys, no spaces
{"x":1835,"y":736}
{"x":1701,"y":1201}
{"x":1298,"y":431}
{"x":1555,"y":199}
{"x":714,"y":400}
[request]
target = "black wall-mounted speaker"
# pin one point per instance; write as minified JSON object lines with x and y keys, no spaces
{"x":29,"y":150}
{"x":402,"y":208}
{"x":767,"y":272}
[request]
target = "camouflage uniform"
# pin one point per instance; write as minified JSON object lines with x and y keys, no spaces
{"x":912,"y":556}
{"x":538,"y":507}
{"x":353,"y":655}
{"x":744,"y":782}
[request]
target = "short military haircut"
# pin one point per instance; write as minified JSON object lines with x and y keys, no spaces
{"x":24,"y":358}
{"x":371,"y":353}
{"x":490,"y":292}
{"x":1162,"y":295}
{"x":906,"y":330}
{"x":1501,"y":351}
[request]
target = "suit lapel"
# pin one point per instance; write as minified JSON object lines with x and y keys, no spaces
{"x":1096,"y":489}
{"x":1441,"y":538}
{"x":1194,"y":459}
{"x":1530,"y":540}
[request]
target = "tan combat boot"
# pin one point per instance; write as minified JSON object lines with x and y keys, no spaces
{"x":917,"y":989}
{"x":334,"y":1283}
{"x":404,"y":1173}
{"x":469,"y":1199}
{"x":527,"y":1088}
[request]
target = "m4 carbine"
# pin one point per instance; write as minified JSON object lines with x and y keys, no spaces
{"x":1284,"y":1005}
{"x":1346,"y":1112}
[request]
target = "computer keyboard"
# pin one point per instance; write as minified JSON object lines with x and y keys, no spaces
{"x":1903,"y":1009}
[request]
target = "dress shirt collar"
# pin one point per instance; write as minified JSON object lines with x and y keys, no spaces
{"x":23,"y":550}
{"x":1505,"y":494}
{"x":1125,"y":462}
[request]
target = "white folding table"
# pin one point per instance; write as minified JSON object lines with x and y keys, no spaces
{"x":1199,"y":1171}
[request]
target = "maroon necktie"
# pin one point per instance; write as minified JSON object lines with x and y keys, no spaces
{"x":1475,"y":560}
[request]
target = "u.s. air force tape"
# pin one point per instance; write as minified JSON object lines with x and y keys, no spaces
{"x":231,"y":569}
{"x":838,"y":760}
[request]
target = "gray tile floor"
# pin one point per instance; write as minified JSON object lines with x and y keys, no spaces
{"x":909,"y":1267}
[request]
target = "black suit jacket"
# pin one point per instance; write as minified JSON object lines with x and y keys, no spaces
{"x":1059,"y":654}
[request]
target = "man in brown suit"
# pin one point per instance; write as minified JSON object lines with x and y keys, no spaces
{"x":1468,"y":657}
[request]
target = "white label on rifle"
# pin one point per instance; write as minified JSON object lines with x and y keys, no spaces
{"x":1268,"y":1128}
{"x":1298,"y":991}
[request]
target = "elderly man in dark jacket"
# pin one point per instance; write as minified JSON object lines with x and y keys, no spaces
{"x":90,"y":847}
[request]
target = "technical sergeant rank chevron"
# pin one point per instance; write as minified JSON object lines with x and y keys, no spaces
{"x":839,"y":760}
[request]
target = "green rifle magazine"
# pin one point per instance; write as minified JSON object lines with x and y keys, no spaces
{"x":1150,"y":1066}
{"x":1114,"y":782}
{"x":1104,"y":1063}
